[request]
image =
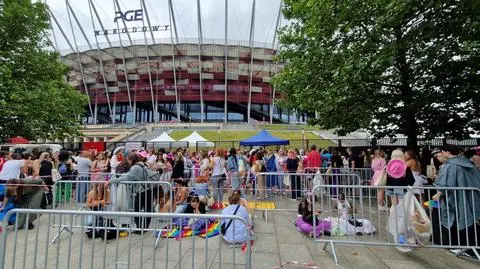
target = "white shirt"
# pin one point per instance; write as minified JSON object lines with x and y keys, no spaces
{"x":12,"y":169}
{"x":152,"y":159}
{"x":218,"y":166}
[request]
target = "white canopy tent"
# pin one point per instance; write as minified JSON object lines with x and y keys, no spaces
{"x":164,"y":137}
{"x":195,"y":137}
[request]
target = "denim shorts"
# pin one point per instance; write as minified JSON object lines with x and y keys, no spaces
{"x":395,"y":192}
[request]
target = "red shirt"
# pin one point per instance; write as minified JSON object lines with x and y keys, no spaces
{"x":314,"y":159}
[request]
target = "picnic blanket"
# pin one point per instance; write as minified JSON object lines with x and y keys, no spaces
{"x":212,"y":230}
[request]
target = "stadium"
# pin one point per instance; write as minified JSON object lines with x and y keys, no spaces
{"x":156,"y":61}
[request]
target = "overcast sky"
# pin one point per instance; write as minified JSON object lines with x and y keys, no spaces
{"x":212,"y":17}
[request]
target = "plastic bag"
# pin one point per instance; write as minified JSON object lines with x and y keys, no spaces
{"x":419,"y":223}
{"x":121,"y":201}
{"x":318,"y":180}
{"x":397,"y":222}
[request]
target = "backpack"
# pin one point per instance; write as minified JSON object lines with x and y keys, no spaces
{"x":150,"y":174}
{"x":262,"y":167}
{"x":62,"y":169}
{"x":188,"y":166}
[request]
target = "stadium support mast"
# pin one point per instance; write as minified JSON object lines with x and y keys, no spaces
{"x":172,"y":19}
{"x":225,"y":68}
{"x":132,"y":107}
{"x":279,"y":16}
{"x":69,"y":7}
{"x":154,"y":114}
{"x":78,"y":55}
{"x":82,"y":71}
{"x":251,"y":40}
{"x":154,"y":100}
{"x":101,"y":67}
{"x":200,"y":43}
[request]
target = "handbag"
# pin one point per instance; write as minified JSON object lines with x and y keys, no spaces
{"x":382,"y":179}
{"x":56,"y":175}
{"x":210,"y":201}
{"x":224,"y":228}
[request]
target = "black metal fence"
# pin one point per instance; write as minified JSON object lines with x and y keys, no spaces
{"x":339,"y":144}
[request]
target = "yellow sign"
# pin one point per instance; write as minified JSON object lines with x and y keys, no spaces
{"x":262,"y":205}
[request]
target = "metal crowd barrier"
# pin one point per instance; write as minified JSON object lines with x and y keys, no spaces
{"x":280,"y":198}
{"x":365,"y":174}
{"x":127,"y":196}
{"x":122,"y":249}
{"x":366,"y":224}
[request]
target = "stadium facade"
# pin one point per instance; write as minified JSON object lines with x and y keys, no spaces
{"x":137,"y":61}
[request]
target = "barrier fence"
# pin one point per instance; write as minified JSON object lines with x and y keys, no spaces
{"x":407,"y":225}
{"x":120,"y":247}
{"x":126,"y":196}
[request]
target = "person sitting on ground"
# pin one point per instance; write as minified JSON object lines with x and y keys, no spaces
{"x":305,"y":219}
{"x":98,"y":197}
{"x":25,"y":194}
{"x":9,"y":200}
{"x":243,"y":202}
{"x":181,"y":196}
{"x":235,"y":231}
{"x":194,"y":206}
{"x":164,"y":204}
{"x":346,"y":220}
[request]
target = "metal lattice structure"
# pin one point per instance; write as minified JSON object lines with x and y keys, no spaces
{"x":137,"y":61}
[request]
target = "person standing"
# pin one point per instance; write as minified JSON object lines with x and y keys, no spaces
{"x":13,"y":168}
{"x":83,"y":168}
{"x":378,"y":167}
{"x":218,"y":177}
{"x":233,"y":167}
{"x":143,"y":193}
{"x":459,"y":210}
{"x":293,"y":165}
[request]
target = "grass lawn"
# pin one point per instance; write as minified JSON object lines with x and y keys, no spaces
{"x":230,"y":135}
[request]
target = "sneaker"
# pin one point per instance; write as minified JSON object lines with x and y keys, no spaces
{"x":383,"y":208}
{"x":455,"y":251}
{"x":404,"y":249}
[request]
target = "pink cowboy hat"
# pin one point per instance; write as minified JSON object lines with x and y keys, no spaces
{"x":396,"y":168}
{"x":144,"y":154}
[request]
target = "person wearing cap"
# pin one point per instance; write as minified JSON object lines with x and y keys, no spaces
{"x":398,"y":175}
{"x":117,"y":158}
{"x":459,"y":209}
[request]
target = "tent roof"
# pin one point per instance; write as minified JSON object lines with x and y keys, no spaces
{"x":263,"y":138}
{"x":164,"y":137}
{"x":195,"y":137}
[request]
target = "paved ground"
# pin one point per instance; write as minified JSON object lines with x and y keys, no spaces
{"x":277,"y":242}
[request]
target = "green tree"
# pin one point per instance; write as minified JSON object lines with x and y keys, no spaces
{"x":390,"y":66}
{"x":35,"y":99}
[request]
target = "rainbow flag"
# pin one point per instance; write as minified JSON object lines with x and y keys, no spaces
{"x":213,"y":229}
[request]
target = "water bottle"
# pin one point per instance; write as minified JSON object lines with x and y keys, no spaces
{"x":401,"y":238}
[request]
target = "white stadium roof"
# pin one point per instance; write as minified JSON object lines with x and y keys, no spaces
{"x":82,"y":25}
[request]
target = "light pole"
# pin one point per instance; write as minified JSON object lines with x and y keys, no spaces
{"x":303,"y":138}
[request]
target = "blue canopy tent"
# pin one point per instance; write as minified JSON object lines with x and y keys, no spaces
{"x":263,"y":138}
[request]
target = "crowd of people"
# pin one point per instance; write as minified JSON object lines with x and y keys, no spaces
{"x":201,"y":179}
